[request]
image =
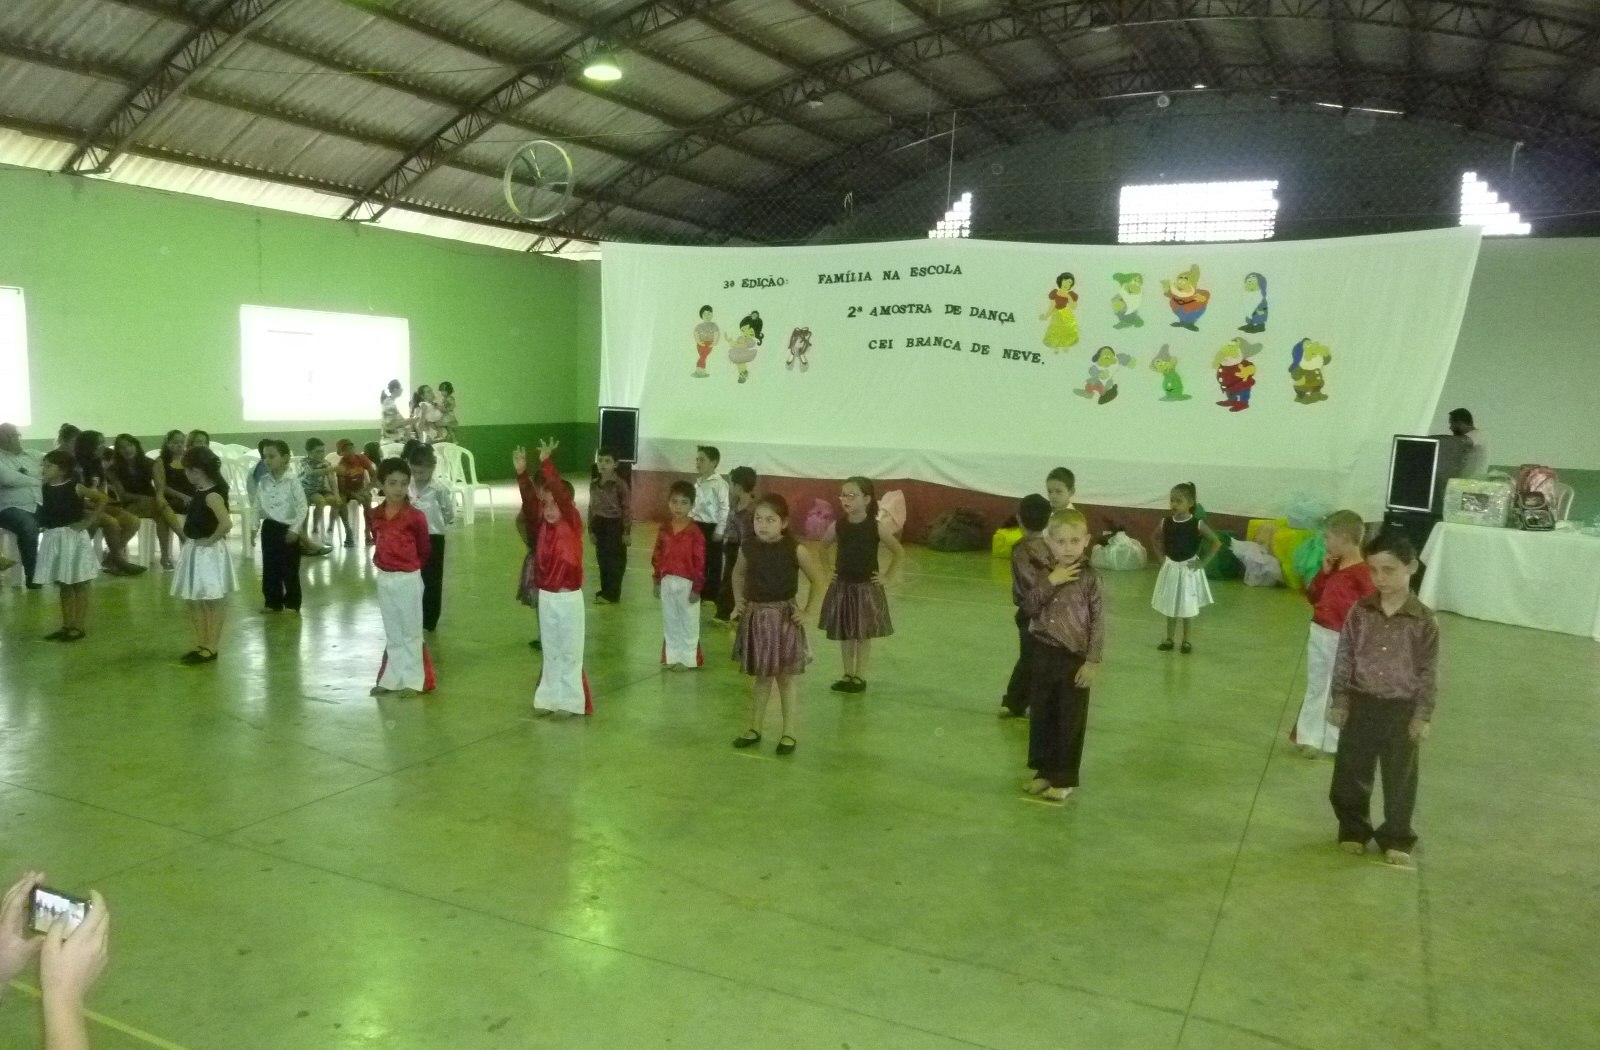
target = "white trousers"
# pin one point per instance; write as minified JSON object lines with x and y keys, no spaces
{"x":680,"y":623}
{"x":1313,"y":730}
{"x":561,"y":684}
{"x":400,"y":599}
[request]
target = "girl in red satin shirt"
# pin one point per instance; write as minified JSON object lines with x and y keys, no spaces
{"x":679,"y":561}
{"x":558,"y":566}
{"x":400,"y":549}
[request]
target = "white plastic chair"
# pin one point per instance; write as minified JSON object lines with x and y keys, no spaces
{"x":391,"y":449}
{"x":236,"y":472}
{"x":1564,"y":497}
{"x":14,"y":576}
{"x":461,"y":473}
{"x":149,"y":544}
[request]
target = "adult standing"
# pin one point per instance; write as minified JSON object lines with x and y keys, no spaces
{"x":392,"y":429}
{"x":19,"y":497}
{"x":1473,"y":445}
{"x":446,"y":400}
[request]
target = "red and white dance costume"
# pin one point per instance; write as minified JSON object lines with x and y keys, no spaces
{"x":401,"y":549}
{"x":558,"y":567}
{"x":1332,"y":594}
{"x":679,"y":561}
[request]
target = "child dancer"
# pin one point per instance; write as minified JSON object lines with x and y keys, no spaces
{"x":400,"y":549}
{"x":1182,"y":589}
{"x":679,"y":561}
{"x":1060,"y":485}
{"x":1066,"y":614}
{"x":66,"y":551}
{"x":855,"y":609}
{"x":611,"y":525}
{"x":735,"y":530}
{"x":433,"y":498}
{"x":205,"y":568}
{"x":1343,"y":581}
{"x":283,"y":513}
{"x":1031,"y":561}
{"x":531,"y":489}
{"x":558,"y":563}
{"x":1384,"y":691}
{"x":770,"y":644}
{"x":355,"y":480}
{"x":710,"y":512}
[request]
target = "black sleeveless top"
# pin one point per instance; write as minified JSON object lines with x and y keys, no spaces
{"x":858,"y":549}
{"x":60,"y":505}
{"x":137,"y":477}
{"x":177,"y":477}
{"x":200,"y":521}
{"x":1180,"y":539}
{"x":772,"y":572}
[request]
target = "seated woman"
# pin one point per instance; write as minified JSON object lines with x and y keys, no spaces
{"x":171,"y":481}
{"x":116,"y":523}
{"x":446,"y":400}
{"x":133,"y":484}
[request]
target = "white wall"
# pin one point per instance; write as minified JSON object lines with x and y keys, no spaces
{"x":1527,"y":363}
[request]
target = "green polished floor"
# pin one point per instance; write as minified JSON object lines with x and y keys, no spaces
{"x":294,"y":865}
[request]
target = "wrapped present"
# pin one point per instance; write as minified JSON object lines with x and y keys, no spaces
{"x":1478,"y":501}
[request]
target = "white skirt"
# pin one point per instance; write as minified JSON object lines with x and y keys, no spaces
{"x":1182,"y":590}
{"x":204,"y":572}
{"x":66,"y":556}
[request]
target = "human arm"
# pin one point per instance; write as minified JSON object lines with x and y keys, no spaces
{"x":447,"y":503}
{"x":658,"y":557}
{"x":897,"y":552}
{"x":625,"y":497}
{"x":812,"y":570}
{"x":1095,"y":600}
{"x":1426,"y":660}
{"x":417,"y":524}
{"x":17,"y":948}
{"x":219,"y":507}
{"x":697,"y":562}
{"x":719,"y":508}
{"x":69,"y":965}
{"x":740,"y":567}
{"x":1344,"y":666}
{"x":829,"y":544}
{"x":1209,"y":545}
{"x":297,"y":506}
{"x":15,"y":477}
{"x":554,"y":484}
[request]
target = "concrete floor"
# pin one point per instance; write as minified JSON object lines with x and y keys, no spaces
{"x":294,"y":865}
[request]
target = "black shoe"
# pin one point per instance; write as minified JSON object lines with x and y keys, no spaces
{"x":57,"y":636}
{"x":1185,"y":648}
{"x":1165,"y":647}
{"x":750,"y":739}
{"x":842,"y":685}
{"x":35,"y":586}
{"x":787,"y":748}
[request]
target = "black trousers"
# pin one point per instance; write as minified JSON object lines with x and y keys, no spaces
{"x":1059,"y":717}
{"x":1376,"y":737}
{"x":730,"y":558}
{"x":713,"y":562}
{"x":433,"y":583}
{"x":22,"y":524}
{"x":280,"y":566}
{"x":1017,"y":689}
{"x":611,"y":554}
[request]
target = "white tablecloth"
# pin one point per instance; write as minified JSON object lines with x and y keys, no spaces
{"x":1549,"y":581}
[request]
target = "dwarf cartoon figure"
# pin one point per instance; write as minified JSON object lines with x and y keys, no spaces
{"x":1187,"y":299}
{"x":1129,"y":298}
{"x":1062,"y":314}
{"x":1103,"y":369}
{"x":799,"y":347}
{"x":742,"y":351}
{"x":1306,"y":363}
{"x":706,"y":336}
{"x":1236,"y":373}
{"x":1255,"y":287}
{"x":1166,"y":366}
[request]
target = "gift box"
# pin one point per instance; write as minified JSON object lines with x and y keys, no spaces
{"x":1473,"y":501}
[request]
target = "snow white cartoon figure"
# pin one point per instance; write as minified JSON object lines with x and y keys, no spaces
{"x":706,"y":336}
{"x":742,"y":351}
{"x":1166,"y":366}
{"x":1306,"y":363}
{"x":1062,"y":315}
{"x":1255,"y":287}
{"x":1103,"y":369}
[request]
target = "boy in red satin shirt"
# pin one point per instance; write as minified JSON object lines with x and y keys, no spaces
{"x":401,"y":547}
{"x":679,"y":562}
{"x":1343,"y":581}
{"x":558,"y":568}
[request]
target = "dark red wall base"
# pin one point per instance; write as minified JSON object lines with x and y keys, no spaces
{"x":925,"y":501}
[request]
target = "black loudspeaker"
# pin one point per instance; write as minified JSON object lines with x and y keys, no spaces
{"x":619,"y":431}
{"x":1415,"y":482}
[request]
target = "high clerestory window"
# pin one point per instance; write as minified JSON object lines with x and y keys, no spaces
{"x":1198,"y":211}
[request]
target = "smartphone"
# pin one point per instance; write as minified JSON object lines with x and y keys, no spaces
{"x":45,"y":906}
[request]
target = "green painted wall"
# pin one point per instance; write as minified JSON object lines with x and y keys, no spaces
{"x":133,"y":298}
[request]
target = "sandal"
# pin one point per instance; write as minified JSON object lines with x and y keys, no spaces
{"x":1165,"y":647}
{"x":750,"y":739}
{"x":787,"y":748}
{"x":842,"y":685}
{"x":1185,"y":648}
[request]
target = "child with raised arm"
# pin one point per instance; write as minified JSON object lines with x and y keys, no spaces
{"x":558,"y":565}
{"x":1343,"y":581}
{"x":679,"y":564}
{"x":1031,"y":561}
{"x":1385,"y":687}
{"x":770,"y":644}
{"x":399,"y":551}
{"x":855,"y":610}
{"x":1187,"y":545}
{"x":1066,"y":613}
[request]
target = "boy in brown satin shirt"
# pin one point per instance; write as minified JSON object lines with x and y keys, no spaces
{"x":1384,"y":690}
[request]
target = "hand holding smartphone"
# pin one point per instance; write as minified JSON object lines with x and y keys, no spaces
{"x":46,"y":906}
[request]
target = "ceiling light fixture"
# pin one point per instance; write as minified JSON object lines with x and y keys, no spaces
{"x":1199,"y":86}
{"x":602,"y":66}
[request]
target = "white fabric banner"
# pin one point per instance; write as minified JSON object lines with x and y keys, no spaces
{"x":1257,"y":371}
